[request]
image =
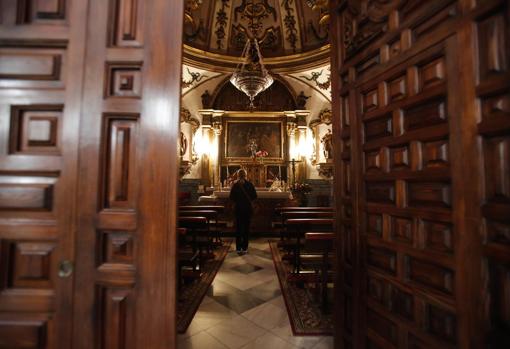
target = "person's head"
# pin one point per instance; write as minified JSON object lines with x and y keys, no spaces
{"x":241,"y":174}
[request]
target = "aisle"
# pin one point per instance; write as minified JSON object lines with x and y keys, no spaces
{"x":244,"y":308}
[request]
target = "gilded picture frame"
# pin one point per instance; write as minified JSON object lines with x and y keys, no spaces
{"x":267,"y":133}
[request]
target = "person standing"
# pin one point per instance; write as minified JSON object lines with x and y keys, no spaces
{"x":242,"y":193}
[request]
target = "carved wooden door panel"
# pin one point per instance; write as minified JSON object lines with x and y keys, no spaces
{"x":491,"y":21}
{"x":41,"y":44}
{"x":125,"y":284}
{"x":421,"y":107}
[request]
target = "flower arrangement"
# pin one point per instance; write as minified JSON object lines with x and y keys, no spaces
{"x":299,"y":191}
{"x":301,"y":188}
{"x":261,"y":154}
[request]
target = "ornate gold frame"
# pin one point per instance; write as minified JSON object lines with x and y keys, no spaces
{"x":262,"y":118}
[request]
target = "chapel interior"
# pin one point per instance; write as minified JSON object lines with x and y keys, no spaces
{"x":376,"y":135}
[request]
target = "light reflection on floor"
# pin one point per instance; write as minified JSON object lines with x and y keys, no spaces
{"x":244,"y":308}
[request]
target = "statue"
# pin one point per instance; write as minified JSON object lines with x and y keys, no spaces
{"x":206,"y":99}
{"x":183,"y":144}
{"x":327,"y":144}
{"x":301,"y":100}
{"x":252,"y":147}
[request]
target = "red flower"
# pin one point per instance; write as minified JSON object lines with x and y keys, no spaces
{"x":261,"y":154}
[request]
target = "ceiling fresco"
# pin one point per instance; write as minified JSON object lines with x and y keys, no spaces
{"x":282,"y":27}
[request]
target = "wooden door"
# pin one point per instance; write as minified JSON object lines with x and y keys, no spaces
{"x":128,"y":173}
{"x":422,"y":137}
{"x":491,"y":124}
{"x":41,"y":55}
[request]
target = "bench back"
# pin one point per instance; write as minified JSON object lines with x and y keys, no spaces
{"x":209,"y":214}
{"x":306,"y":214}
{"x":279,"y":210}
{"x":193,"y":223}
{"x":217,"y":208}
{"x":309,"y":224}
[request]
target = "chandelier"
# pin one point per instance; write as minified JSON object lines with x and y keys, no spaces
{"x":250,"y":76}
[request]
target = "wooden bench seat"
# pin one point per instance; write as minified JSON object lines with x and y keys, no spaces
{"x":317,"y":255}
{"x":212,"y":219}
{"x":295,"y":232}
{"x":186,"y":258}
{"x":199,"y":236}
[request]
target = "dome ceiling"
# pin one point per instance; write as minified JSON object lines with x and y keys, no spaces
{"x":293,"y":29}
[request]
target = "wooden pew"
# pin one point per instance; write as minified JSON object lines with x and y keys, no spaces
{"x":186,"y":256}
{"x":285,"y":215}
{"x":279,"y":210}
{"x":305,"y":214}
{"x":198,"y":230}
{"x":212,"y":220}
{"x":219,"y":226}
{"x":317,"y":255}
{"x":304,"y":208}
{"x":296,"y":229}
{"x":217,"y":208}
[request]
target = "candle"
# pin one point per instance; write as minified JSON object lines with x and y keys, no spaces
{"x":279,"y":172}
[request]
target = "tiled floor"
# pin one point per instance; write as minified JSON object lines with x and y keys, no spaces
{"x":244,"y":308}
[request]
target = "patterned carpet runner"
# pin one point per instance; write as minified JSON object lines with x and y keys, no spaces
{"x":305,"y":315}
{"x":192,"y":293}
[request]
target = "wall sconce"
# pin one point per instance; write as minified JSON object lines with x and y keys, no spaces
{"x":305,"y":145}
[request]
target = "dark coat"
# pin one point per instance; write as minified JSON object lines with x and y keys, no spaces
{"x":243,"y":198}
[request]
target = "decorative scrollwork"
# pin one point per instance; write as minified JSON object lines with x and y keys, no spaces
{"x":291,"y":127}
{"x":322,"y":7}
{"x":326,"y":170}
{"x":270,"y":39}
{"x":325,"y":117}
{"x":290,"y":24}
{"x":187,"y":118}
{"x":255,"y":12}
{"x":221,"y":23}
{"x":195,"y":78}
{"x":314,"y":76}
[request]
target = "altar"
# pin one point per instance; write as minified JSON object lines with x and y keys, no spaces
{"x":263,"y":207}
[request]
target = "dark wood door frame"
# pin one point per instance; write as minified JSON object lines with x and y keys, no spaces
{"x":125,"y":289}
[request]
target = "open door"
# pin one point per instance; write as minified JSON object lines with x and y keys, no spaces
{"x":89,"y":118}
{"x":421,"y":110}
{"x":128,"y":173}
{"x":41,"y":59}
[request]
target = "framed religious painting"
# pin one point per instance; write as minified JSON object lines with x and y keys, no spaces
{"x":253,"y":138}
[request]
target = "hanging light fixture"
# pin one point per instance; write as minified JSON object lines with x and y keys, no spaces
{"x":251,"y":76}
